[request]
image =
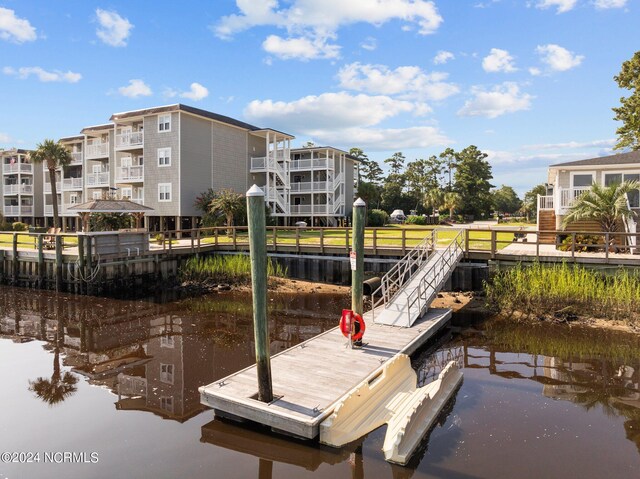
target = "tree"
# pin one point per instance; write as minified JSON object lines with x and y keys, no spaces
{"x":505,"y":200}
{"x":53,"y":155}
{"x":452,"y":201}
{"x":396,"y":162}
{"x":226,"y":202}
{"x":629,"y":110}
{"x":448,"y":160}
{"x":472,"y":176}
{"x":369,"y":193}
{"x":370,"y":170}
{"x":422,"y":176}
{"x":608,"y":205}
{"x":309,"y":144}
{"x":530,"y":203}
{"x":434,"y":199}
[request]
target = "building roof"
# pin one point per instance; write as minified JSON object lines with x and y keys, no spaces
{"x":14,"y":151}
{"x":109,"y":206}
{"x":327,"y":148}
{"x":189,"y":109}
{"x":87,"y":129}
{"x":72,"y":138}
{"x":618,"y":159}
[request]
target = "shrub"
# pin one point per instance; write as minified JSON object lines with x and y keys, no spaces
{"x":584,"y":243}
{"x":377,"y":218}
{"x":416,"y":220}
{"x":18,"y":226}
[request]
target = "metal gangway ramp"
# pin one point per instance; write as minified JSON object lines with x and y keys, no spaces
{"x":408,"y":289}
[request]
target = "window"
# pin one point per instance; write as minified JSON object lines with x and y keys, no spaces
{"x":297,"y":201}
{"x":582,"y":180}
{"x":126,"y":161}
{"x":73,"y":199}
{"x":96,"y":169}
{"x":297,"y":179}
{"x":164,"y":122}
{"x":126,"y":193}
{"x":617,"y":178}
{"x":164,"y":156}
{"x":166,"y":403}
{"x":167,"y":341}
{"x":166,"y":373}
{"x":164,"y":191}
{"x":97,"y":195}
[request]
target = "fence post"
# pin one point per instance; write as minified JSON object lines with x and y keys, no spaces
{"x":40,"y":260}
{"x":466,"y":240}
{"x":15,"y":257}
{"x":573,"y":246}
{"x":275,"y":238}
{"x":258,"y":255}
{"x":322,"y":240}
{"x":297,"y":239}
{"x":606,"y":248}
{"x":59,"y":263}
{"x":493,"y":244}
{"x":404,"y":242}
{"x":235,"y":238}
{"x":375,"y":241}
{"x":346,"y":240}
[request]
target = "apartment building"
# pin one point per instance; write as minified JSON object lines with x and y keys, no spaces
{"x":20,"y":187}
{"x":164,"y":157}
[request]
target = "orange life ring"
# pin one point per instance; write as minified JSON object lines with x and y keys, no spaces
{"x":358,"y":325}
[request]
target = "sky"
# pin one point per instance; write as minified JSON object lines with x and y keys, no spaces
{"x":529,"y":82}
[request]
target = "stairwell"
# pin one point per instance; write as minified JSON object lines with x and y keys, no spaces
{"x":547,"y":222}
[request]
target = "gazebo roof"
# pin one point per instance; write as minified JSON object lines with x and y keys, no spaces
{"x":110,"y":206}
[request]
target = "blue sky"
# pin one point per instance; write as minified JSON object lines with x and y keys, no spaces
{"x":529,"y":82}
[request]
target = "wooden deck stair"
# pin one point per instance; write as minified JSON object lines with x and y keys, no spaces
{"x":547,"y":222}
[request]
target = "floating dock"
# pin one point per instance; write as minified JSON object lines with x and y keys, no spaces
{"x":310,"y":379}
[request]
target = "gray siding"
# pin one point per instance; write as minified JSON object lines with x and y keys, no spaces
{"x":230,"y":158}
{"x":196,"y":169}
{"x":153,"y":174}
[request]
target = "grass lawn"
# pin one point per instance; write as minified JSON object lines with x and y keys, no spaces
{"x":27,"y":241}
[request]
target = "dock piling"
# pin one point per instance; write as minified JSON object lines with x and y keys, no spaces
{"x":357,"y":274}
{"x":258,"y":255}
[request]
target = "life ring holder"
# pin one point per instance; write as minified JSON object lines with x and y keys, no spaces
{"x":358,"y":326}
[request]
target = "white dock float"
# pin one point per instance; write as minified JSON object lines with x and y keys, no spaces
{"x":310,"y":379}
{"x":392,"y":398}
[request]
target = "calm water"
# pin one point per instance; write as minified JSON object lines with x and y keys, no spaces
{"x":120,"y":379}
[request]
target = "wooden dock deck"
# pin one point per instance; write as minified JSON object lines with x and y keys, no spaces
{"x":310,"y":378}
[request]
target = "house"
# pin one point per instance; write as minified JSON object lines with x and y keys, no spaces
{"x":567,"y":181}
{"x":164,"y":157}
{"x":20,"y":187}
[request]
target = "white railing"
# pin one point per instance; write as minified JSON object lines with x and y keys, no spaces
{"x":337,"y":182}
{"x":569,"y":195}
{"x":98,"y":179}
{"x":97,"y":149}
{"x":130,"y":140}
{"x":130,"y":173}
{"x":310,"y":186}
{"x":278,"y":197}
{"x":48,"y":209}
{"x":545,"y":202}
{"x":338,"y":203}
{"x":14,"y":210}
{"x":267,"y":164}
{"x":308,"y":164}
{"x":300,"y":209}
{"x":72,"y":183}
{"x":76,"y":158}
{"x":258,"y":163}
{"x":18,"y":189}
{"x":47,"y":187}
{"x":17,"y":168}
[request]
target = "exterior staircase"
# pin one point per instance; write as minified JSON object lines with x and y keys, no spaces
{"x":547,"y":222}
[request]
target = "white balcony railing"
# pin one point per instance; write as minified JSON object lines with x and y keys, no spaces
{"x":17,"y":168}
{"x":545,"y":202}
{"x":97,"y":149}
{"x":76,"y":158}
{"x":17,"y":189}
{"x":48,"y":209}
{"x":569,"y":195}
{"x":72,"y":183}
{"x":308,"y":209}
{"x":47,"y":187}
{"x":15,"y":210}
{"x":310,"y":186}
{"x":133,"y":139}
{"x":98,"y":179}
{"x":130,"y":173}
{"x":309,"y":164}
{"x":135,"y":199}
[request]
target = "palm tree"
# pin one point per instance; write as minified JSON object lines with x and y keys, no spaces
{"x":228,"y":203}
{"x":608,"y":205}
{"x":452,"y":201}
{"x":53,"y":155}
{"x":434,"y":198}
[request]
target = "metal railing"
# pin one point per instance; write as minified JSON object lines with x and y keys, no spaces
{"x":403,"y":271}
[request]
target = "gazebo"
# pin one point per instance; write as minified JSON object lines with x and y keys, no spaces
{"x":109,"y":206}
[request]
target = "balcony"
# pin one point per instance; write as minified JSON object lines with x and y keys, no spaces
{"x":16,"y":210}
{"x":129,"y":140}
{"x":76,"y":158}
{"x":545,"y":202}
{"x":97,"y":149}
{"x":130,"y":173}
{"x":71,"y":184}
{"x":98,"y":179}
{"x":17,"y":168}
{"x":17,"y":190}
{"x":315,"y":164}
{"x":48,"y":209}
{"x":47,"y":187}
{"x":311,"y":187}
{"x":309,"y":209}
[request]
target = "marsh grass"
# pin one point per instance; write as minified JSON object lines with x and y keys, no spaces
{"x":234,"y":269}
{"x":542,"y":290}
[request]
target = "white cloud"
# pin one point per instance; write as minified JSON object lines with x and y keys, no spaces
{"x":135,"y":89}
{"x":302,"y":48}
{"x":558,"y":58}
{"x":384,"y":139}
{"x":572,"y":145}
{"x":561,"y":5}
{"x":498,"y":60}
{"x":327,"y":111}
{"x":369,"y":43}
{"x":114,"y":30}
{"x":410,"y":82}
{"x":534,"y":71}
{"x":197,"y":92}
{"x":43,"y":75}
{"x":501,"y":99}
{"x":443,"y":57}
{"x":606,"y":4}
{"x":310,"y":23}
{"x":5,"y":138}
{"x":14,"y":29}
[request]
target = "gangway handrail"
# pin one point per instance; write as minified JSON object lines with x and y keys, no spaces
{"x":443,"y":265}
{"x":401,"y":273}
